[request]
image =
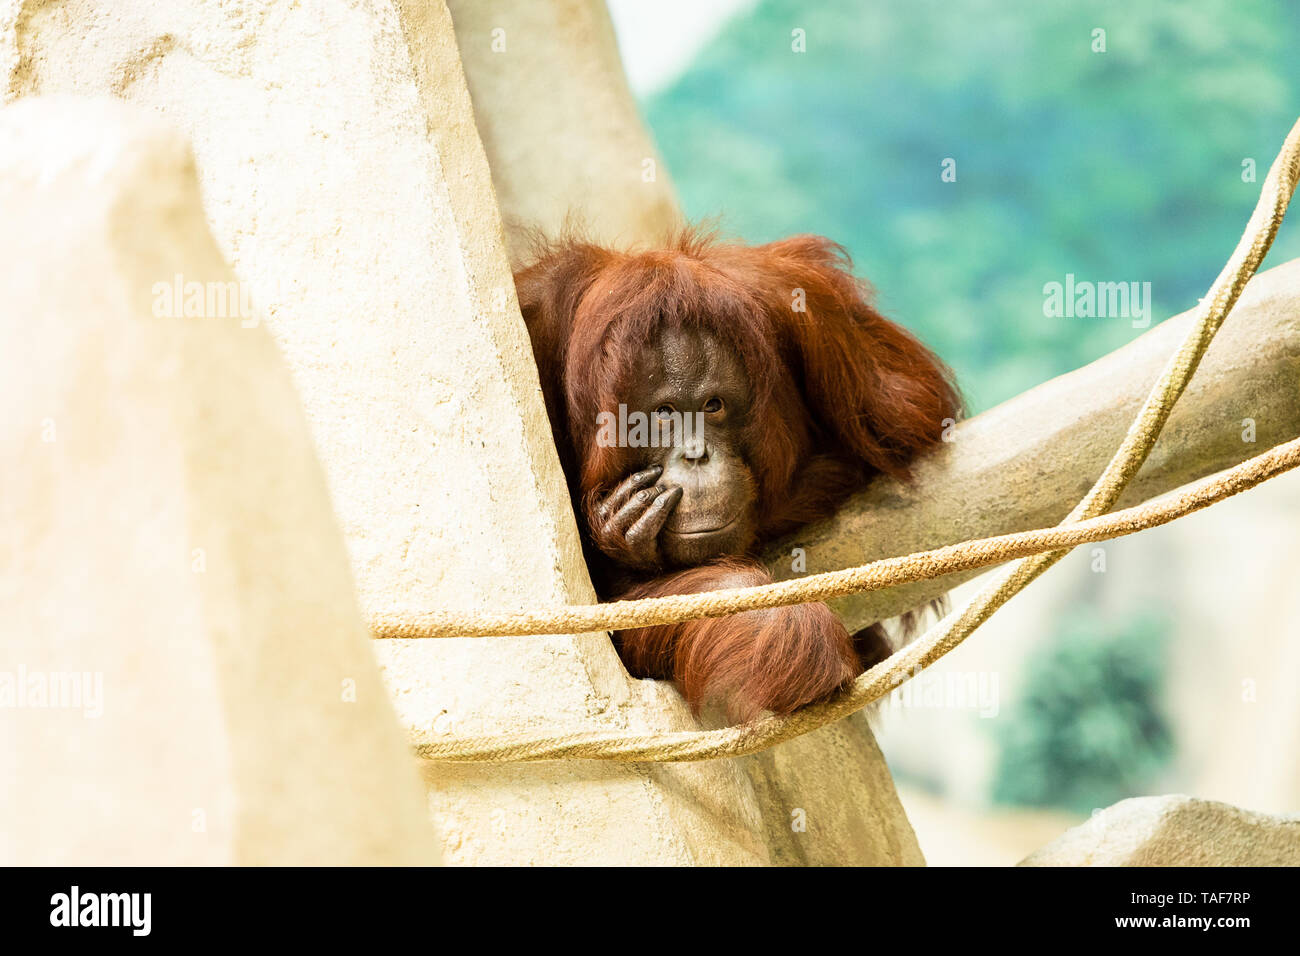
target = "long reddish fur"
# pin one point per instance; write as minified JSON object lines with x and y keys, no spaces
{"x":840,"y":394}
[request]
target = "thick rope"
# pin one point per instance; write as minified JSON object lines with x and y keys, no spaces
{"x":767,"y":731}
{"x":692,"y":745}
{"x":876,"y":576}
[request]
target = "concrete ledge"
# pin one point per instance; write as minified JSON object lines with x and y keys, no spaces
{"x":1026,"y":463}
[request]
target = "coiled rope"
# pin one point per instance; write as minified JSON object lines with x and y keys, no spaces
{"x":1035,"y":551}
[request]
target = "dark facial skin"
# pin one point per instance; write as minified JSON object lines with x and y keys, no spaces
{"x":693,"y":500}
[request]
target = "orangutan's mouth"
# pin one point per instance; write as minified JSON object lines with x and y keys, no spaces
{"x":702,"y":532}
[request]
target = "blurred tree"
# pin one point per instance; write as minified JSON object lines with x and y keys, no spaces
{"x":1122,"y":165}
{"x":1087,"y":729}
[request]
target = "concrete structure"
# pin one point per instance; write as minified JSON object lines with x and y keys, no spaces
{"x":562,"y":133}
{"x":1175,"y":830}
{"x":185,"y":675}
{"x":344,"y":178}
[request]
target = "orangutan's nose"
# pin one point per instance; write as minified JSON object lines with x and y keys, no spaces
{"x":695,"y":450}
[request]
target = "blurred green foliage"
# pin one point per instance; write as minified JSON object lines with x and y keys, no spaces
{"x":1117,"y":166}
{"x":1088,"y":729}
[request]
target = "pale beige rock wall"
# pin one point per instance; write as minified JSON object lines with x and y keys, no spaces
{"x":166,"y":537}
{"x":1175,"y":830}
{"x":562,"y":132}
{"x":344,"y":178}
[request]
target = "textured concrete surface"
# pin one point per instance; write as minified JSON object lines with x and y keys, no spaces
{"x":344,"y":178}
{"x":1025,"y":463}
{"x":168,"y":555}
{"x":562,"y":131}
{"x":1175,"y":830}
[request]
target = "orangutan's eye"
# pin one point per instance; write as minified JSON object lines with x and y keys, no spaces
{"x":663,"y":411}
{"x":713,"y":405}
